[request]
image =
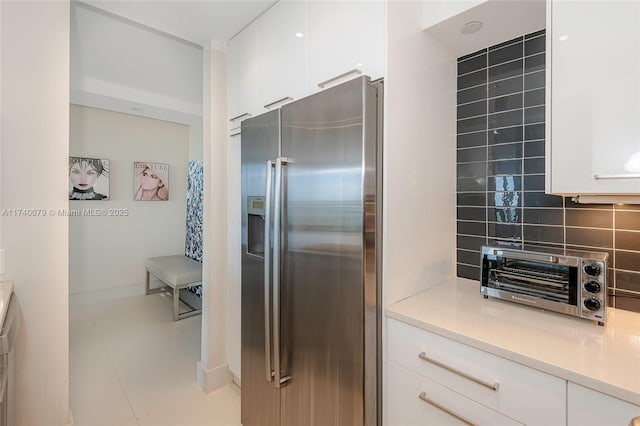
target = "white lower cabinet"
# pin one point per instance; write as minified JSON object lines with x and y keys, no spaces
{"x":415,"y":401}
{"x":453,"y":370}
{"x":587,"y":407}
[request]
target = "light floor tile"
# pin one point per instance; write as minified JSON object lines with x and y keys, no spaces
{"x":131,"y":364}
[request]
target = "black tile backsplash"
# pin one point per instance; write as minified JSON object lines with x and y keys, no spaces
{"x":501,"y":172}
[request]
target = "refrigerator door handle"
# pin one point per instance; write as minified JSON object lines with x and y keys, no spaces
{"x":277,"y":200}
{"x":267,"y":273}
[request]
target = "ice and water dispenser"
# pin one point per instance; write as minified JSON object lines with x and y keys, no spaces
{"x":255,"y":225}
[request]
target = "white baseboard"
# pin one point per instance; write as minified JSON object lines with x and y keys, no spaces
{"x":70,"y":421}
{"x":236,"y":381}
{"x":215,"y":378}
{"x":102,"y":295}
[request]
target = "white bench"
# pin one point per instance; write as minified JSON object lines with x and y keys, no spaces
{"x":177,"y":272}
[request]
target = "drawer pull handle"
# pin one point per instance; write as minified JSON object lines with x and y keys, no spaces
{"x":493,"y":387}
{"x":246,"y":114}
{"x":285,"y":99}
{"x":423,"y":397}
{"x":620,"y":176}
{"x":338,"y":77}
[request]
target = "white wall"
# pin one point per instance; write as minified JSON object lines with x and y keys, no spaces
{"x":420,"y":147}
{"x":34,"y":140}
{"x":108,"y":252}
{"x":212,"y":370}
{"x":117,"y":64}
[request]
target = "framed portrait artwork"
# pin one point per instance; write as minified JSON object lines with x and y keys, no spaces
{"x":151,"y":182}
{"x":88,"y":178}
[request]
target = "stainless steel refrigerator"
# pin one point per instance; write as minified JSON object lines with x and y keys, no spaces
{"x":311,"y":249}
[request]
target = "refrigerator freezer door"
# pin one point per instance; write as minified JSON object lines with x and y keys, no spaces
{"x":260,"y":402}
{"x":328,"y":168}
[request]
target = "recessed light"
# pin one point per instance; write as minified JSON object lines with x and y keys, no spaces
{"x":563,"y":38}
{"x":471,"y":27}
{"x":299,"y":35}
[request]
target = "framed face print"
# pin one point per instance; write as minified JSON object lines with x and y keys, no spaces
{"x":88,"y":178}
{"x":151,"y":182}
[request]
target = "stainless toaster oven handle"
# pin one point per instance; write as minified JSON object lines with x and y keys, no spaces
{"x":493,"y":387}
{"x":526,"y":256}
{"x":423,"y":397}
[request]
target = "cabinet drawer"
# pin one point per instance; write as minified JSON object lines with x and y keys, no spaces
{"x":415,"y":400}
{"x":524,"y":394}
{"x":587,"y":407}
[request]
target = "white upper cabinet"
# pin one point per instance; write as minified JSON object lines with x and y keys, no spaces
{"x":281,"y":54}
{"x":242,"y":68}
{"x":344,"y":36}
{"x":594,"y":143}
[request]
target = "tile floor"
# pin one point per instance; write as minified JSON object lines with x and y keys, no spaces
{"x":131,"y":365}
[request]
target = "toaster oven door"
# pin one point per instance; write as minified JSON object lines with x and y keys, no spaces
{"x":534,"y":280}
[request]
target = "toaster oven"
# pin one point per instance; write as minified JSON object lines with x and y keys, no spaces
{"x":573,"y":284}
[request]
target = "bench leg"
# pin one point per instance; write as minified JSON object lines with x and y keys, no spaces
{"x":147,"y":289}
{"x":176,"y":303}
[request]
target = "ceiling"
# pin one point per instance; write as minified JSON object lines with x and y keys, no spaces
{"x":203,"y":22}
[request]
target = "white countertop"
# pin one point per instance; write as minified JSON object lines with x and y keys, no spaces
{"x":606,"y":359}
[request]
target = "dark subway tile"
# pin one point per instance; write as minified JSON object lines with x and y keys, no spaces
{"x":505,"y":43}
{"x":505,"y":54}
{"x":589,"y":218}
{"x":468,"y":257}
{"x":630,"y":302}
{"x":509,"y":151}
{"x":472,"y":109}
{"x":471,"y":55}
{"x":504,"y":183}
{"x":470,"y":243}
{"x":471,"y":184}
{"x":534,"y":149}
{"x":590,"y":237}
{"x":472,"y":64}
{"x":506,"y":231}
{"x":540,"y":199}
{"x":506,"y":70}
{"x":570,"y":204}
{"x":629,"y":220}
{"x":534,"y":115}
{"x":534,"y":182}
{"x":534,"y":45}
{"x":473,"y":94}
{"x":550,"y":234}
{"x":505,"y":214}
{"x":543,"y":247}
{"x":543,"y":216}
{"x":533,"y":165}
{"x":533,"y":132}
{"x":505,"y":103}
{"x":472,"y":139}
{"x":505,"y":87}
{"x":627,"y":206}
{"x":534,"y":97}
{"x":472,"y":124}
{"x":627,"y":240}
{"x":534,"y":63}
{"x":628,"y":260}
{"x":504,"y":199}
{"x":472,"y":79}
{"x":471,"y":154}
{"x":472,"y":228}
{"x":505,"y":119}
{"x":534,"y":80}
{"x":504,"y":167}
{"x":471,"y":199}
{"x":536,"y":34}
{"x":471,"y":170}
{"x":469,"y":272}
{"x":472,"y":213}
{"x":505,"y":135}
{"x":628,"y":281}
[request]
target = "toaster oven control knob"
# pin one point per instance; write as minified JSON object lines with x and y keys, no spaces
{"x":592,"y":269}
{"x":592,"y":286}
{"x":592,"y":304}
